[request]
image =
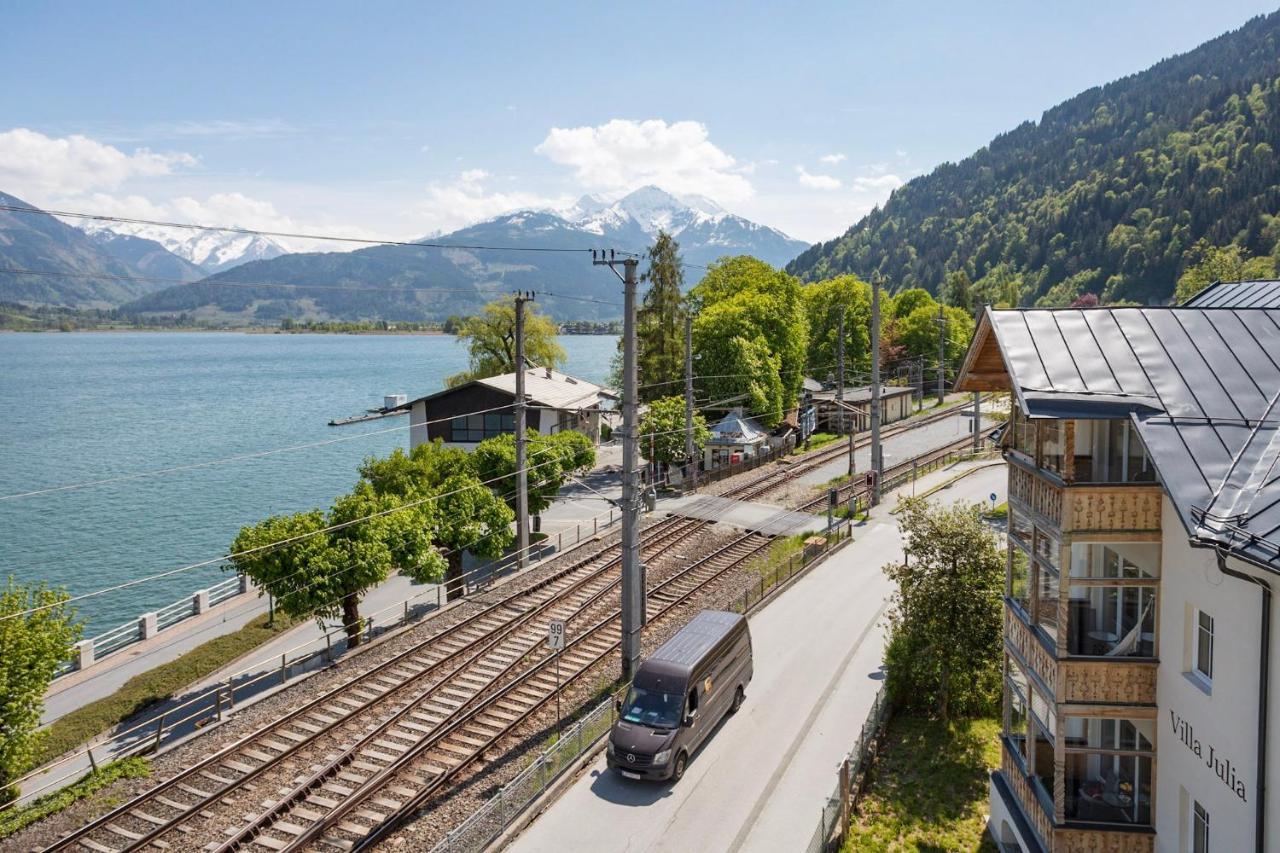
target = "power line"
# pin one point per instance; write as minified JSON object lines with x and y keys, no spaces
{"x":209,"y":282}
{"x":97,"y":217}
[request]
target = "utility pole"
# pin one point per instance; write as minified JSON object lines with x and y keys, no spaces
{"x":840,"y":373}
{"x":633,"y":584}
{"x":522,"y":474}
{"x":977,"y":408}
{"x":691,"y":472}
{"x":877,"y":463}
{"x":942,"y":354}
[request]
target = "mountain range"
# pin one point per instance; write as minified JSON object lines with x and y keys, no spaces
{"x":412,"y":283}
{"x":1113,"y":192}
{"x":208,"y":251}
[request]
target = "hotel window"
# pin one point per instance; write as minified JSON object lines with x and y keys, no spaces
{"x":1051,"y":445}
{"x":1020,"y":578}
{"x":1111,"y":609}
{"x":1199,"y":829}
{"x":1202,"y":658}
{"x":1042,"y":723}
{"x":1107,"y":770}
{"x":1016,"y":689}
{"x":1111,"y":621}
{"x":1110,"y":451}
{"x":1020,"y":528}
{"x":1024,"y":434}
{"x":1046,"y":607}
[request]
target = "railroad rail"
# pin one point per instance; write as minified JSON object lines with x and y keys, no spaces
{"x":408,"y":679}
{"x":779,"y":476}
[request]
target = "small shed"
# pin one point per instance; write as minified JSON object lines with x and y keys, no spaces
{"x":734,"y":438}
{"x":895,"y":405}
{"x":484,"y":408}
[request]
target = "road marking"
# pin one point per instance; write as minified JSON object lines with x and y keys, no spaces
{"x":758,"y":806}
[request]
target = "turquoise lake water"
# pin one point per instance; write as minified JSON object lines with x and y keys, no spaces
{"x":89,"y":406}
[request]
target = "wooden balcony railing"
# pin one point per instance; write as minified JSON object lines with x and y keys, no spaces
{"x":1120,"y":508}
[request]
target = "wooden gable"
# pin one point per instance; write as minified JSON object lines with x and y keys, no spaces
{"x":983,"y":368}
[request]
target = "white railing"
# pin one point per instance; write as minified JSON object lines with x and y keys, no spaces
{"x":834,"y":821}
{"x":210,"y":703}
{"x":93,"y":650}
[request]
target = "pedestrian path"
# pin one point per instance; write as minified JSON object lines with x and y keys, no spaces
{"x":748,"y":515}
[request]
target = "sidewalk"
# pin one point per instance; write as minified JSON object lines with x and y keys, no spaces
{"x":759,"y":783}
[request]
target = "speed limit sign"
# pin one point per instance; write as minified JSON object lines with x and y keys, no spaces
{"x":555,"y":635}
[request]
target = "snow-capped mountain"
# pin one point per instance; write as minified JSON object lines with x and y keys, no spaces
{"x":212,"y":251}
{"x":433,"y":285}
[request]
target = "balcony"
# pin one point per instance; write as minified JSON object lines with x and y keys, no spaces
{"x":1091,"y":508}
{"x":1075,"y":680}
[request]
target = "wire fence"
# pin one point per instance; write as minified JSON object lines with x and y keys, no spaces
{"x":484,"y":825}
{"x":851,"y":777}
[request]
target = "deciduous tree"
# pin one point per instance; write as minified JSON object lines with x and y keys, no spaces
{"x":490,"y":337}
{"x":823,"y":302}
{"x":32,"y":645}
{"x":662,"y":431}
{"x":943,"y":654}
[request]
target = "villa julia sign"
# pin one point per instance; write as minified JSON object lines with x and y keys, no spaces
{"x":1223,"y":767}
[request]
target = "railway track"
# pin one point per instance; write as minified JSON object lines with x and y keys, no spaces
{"x":399,"y":788}
{"x":432,"y":678}
{"x":346,"y":767}
{"x":847,"y":490}
{"x":779,"y":476}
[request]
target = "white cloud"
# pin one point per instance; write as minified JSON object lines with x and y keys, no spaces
{"x":833,"y":159}
{"x":466,"y":200}
{"x":879,"y":183}
{"x":817,"y":182}
{"x":34,"y":164}
{"x":228,"y":128}
{"x":621,"y":155}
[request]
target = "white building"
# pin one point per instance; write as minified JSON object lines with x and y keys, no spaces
{"x":1140,"y":637}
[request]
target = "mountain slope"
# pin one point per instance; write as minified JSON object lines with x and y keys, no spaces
{"x":211,"y":251}
{"x":1107,"y":193}
{"x":406,"y":283}
{"x":87,"y":274}
{"x":148,"y":256}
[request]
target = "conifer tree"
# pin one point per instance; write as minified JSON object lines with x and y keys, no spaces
{"x":660,"y":322}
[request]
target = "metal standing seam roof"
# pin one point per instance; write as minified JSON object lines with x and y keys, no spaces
{"x":541,"y":386}
{"x":863,"y":395}
{"x":1200,"y":385}
{"x":736,"y":428}
{"x":1256,"y":293}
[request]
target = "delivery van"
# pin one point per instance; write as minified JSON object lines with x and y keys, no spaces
{"x":678,"y":696}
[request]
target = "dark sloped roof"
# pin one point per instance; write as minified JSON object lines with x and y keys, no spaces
{"x":1238,"y":294}
{"x":1200,"y":384}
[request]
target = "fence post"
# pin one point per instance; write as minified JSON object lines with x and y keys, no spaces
{"x":159,"y":730}
{"x":284,"y":667}
{"x":200,"y":601}
{"x":147,"y":625}
{"x":92,"y":762}
{"x":595,"y":526}
{"x":560,"y":541}
{"x":84,"y":654}
{"x":844,"y":797}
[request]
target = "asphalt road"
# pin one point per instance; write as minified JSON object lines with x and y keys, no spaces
{"x":760,"y":782}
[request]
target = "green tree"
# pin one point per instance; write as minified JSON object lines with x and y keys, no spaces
{"x":32,"y":646}
{"x":551,"y":460}
{"x":1208,"y":263}
{"x":917,"y":333}
{"x":738,"y":366}
{"x":660,"y":321}
{"x":662,"y":432}
{"x":823,"y":302}
{"x":490,"y":337}
{"x":762,"y":306}
{"x":958,"y":292}
{"x":909,"y":300}
{"x":945,"y":624}
{"x":466,"y":515}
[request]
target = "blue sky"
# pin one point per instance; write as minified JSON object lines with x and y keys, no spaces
{"x":400,"y":119}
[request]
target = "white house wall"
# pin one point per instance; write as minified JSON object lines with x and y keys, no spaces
{"x":1220,"y":720}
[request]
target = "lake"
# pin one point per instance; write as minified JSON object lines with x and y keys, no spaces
{"x":89,"y":406}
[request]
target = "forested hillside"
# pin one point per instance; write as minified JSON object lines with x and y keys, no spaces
{"x":1114,"y":192}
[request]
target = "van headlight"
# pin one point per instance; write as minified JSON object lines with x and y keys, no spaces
{"x":662,"y":757}
{"x":609,"y":746}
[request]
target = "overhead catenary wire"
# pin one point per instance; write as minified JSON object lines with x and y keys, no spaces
{"x":259,"y":232}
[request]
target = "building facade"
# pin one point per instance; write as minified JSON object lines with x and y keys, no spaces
{"x":1144,"y":508}
{"x":484,"y":408}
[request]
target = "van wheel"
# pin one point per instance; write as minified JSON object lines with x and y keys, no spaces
{"x":677,"y":772}
{"x":738,"y":698}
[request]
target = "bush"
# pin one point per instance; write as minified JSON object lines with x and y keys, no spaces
{"x":15,"y":819}
{"x":152,"y":687}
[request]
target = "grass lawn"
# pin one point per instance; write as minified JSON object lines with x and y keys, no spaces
{"x":928,"y":789}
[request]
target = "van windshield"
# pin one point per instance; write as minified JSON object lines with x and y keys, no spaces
{"x":653,"y":709}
